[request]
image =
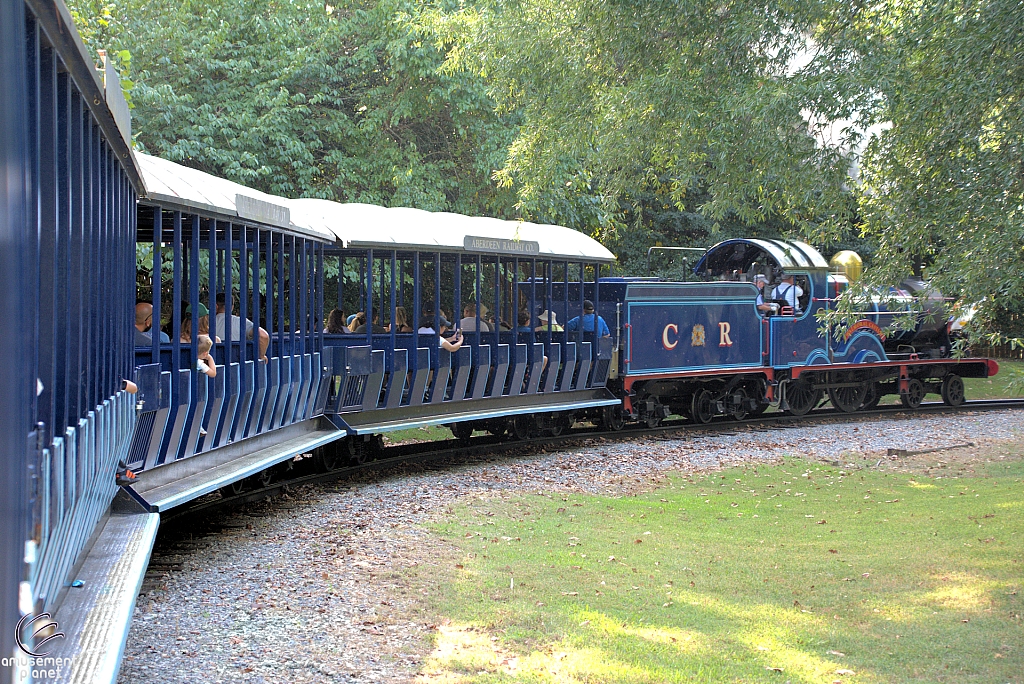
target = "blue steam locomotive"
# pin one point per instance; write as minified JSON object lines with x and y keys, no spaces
{"x":722,"y":346}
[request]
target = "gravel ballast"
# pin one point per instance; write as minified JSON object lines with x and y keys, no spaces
{"x":315,"y":585}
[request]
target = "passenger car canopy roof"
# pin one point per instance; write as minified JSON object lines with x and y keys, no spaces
{"x":362,"y":225}
{"x":369,"y":225}
{"x":174,"y":186}
{"x":741,"y":252}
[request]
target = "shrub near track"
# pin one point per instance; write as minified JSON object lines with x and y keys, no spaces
{"x":798,"y":572}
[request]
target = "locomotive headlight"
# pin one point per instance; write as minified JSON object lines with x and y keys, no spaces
{"x":848,"y":263}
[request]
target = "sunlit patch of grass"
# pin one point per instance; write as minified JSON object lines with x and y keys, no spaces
{"x":795,"y":662}
{"x":683,"y":639}
{"x":964,"y":592}
{"x":801,"y":572}
{"x":466,"y":650}
{"x":459,"y":650}
{"x":429,"y":433}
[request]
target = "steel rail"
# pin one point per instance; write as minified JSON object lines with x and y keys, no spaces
{"x":454,"y":450}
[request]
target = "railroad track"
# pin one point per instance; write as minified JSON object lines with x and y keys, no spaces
{"x":454,"y":451}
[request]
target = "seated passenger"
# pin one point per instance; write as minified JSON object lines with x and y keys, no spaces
{"x":336,"y":323}
{"x":455,"y":343}
{"x":500,"y":324}
{"x":468,"y":322}
{"x":144,"y":326}
{"x":205,"y":363}
{"x":225,"y":317}
{"x":524,"y":322}
{"x":427,"y":325}
{"x":589,"y":321}
{"x":788,"y":291}
{"x":376,"y":327}
{"x":549,"y":321}
{"x":186,"y":324}
{"x":186,"y":330}
{"x":356,"y":320}
{"x":204,"y":327}
{"x":401,"y":320}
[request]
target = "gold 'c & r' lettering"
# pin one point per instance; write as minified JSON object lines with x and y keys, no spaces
{"x":723,"y":334}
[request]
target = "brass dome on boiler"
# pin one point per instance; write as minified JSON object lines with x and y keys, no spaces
{"x":848,"y":263}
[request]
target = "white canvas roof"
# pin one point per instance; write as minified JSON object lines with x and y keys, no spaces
{"x":369,"y":225}
{"x":177,"y":186}
{"x":354,"y":225}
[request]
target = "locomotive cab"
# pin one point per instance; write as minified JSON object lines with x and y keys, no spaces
{"x":767,"y":264}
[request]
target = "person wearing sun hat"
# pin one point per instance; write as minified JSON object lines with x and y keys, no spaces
{"x":548,"y":321}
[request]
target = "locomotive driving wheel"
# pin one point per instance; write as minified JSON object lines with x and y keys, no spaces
{"x":702,"y":408}
{"x":801,"y":397}
{"x":914,"y":395}
{"x":848,"y":399}
{"x":872,"y":396}
{"x":953,"y":390}
{"x":760,"y":406}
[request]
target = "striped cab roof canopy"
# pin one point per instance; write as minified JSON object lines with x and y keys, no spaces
{"x":786,"y":253}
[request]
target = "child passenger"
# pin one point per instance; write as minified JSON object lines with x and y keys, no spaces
{"x":205,"y":363}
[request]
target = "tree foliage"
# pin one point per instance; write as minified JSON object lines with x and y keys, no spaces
{"x":302,"y":98}
{"x":753,"y":110}
{"x":621,"y":93}
{"x":943,"y":180}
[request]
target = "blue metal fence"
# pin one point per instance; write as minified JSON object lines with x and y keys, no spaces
{"x":268,"y":278}
{"x":16,"y":376}
{"x":412,"y":379}
{"x":66,"y":264}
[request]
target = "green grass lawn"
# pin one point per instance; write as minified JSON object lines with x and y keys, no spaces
{"x":798,"y":572}
{"x":998,"y":386}
{"x":430,"y":433}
